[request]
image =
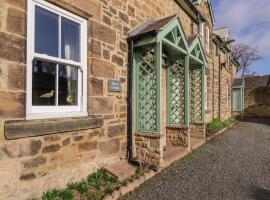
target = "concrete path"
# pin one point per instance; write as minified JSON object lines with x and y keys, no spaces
{"x":233,"y":166}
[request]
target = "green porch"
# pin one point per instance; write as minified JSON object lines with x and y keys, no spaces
{"x":167,"y":89}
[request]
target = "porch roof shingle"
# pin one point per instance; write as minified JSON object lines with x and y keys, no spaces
{"x":150,"y":26}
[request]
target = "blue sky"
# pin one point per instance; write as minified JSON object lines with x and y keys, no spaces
{"x":249,"y":22}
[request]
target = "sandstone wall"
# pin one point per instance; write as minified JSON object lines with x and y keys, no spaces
{"x":257,"y":102}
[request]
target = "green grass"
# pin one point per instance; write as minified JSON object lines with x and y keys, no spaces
{"x":94,"y":187}
{"x":193,"y":154}
{"x":217,"y":124}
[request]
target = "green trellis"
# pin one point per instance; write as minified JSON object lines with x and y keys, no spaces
{"x":176,"y":93}
{"x":147,"y":89}
{"x":196,"y":95}
{"x":238,"y":99}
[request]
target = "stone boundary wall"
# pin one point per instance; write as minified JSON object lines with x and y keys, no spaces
{"x":197,"y":130}
{"x":148,"y":148}
{"x":257,"y":102}
{"x":177,"y":136}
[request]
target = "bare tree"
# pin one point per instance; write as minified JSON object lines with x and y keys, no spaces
{"x":245,"y":55}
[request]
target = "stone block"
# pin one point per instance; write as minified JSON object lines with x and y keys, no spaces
{"x":124,"y":17}
{"x":102,"y":69}
{"x":51,"y":138}
{"x":51,"y":148}
{"x":34,"y":162}
{"x":95,"y":87}
{"x":12,"y":48}
{"x":88,"y":146}
{"x":12,"y":104}
{"x":106,"y":54}
{"x":95,"y":49}
{"x":110,"y":147}
{"x":16,"y":77}
{"x":66,"y":142}
{"x":103,"y":33}
{"x":118,"y":60}
{"x":116,"y":130}
{"x":16,"y":21}
{"x":101,"y":105}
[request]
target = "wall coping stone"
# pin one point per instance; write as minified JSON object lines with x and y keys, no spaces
{"x":30,"y":128}
{"x":150,"y":135}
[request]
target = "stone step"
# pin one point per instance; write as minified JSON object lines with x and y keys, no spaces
{"x":121,"y":169}
{"x":172,"y":153}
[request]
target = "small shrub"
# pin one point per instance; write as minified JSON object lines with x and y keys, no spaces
{"x":94,"y":195}
{"x":100,"y":179}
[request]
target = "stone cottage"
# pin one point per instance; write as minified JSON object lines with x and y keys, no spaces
{"x":255,"y":96}
{"x":85,"y":83}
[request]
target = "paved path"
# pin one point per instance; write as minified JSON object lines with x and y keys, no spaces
{"x":233,"y":166}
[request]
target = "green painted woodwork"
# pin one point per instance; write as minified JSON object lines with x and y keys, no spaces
{"x":203,"y":93}
{"x":238,"y":99}
{"x":196,"y":51}
{"x":196,"y":92}
{"x":159,"y":86}
{"x":145,"y":41}
{"x":147,"y":89}
{"x":187,"y":99}
{"x":176,"y":92}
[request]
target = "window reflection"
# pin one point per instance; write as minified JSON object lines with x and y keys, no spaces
{"x":70,"y":48}
{"x":43,"y":87}
{"x":68,"y":85}
{"x":46,"y":32}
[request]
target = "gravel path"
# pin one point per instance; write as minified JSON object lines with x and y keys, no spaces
{"x":234,"y":165}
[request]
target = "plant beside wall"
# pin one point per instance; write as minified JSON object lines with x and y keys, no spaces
{"x":95,"y":187}
{"x":217,"y":125}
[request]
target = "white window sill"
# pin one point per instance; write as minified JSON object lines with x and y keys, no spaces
{"x":55,"y":115}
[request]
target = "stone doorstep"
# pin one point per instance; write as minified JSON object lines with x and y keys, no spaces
{"x":171,"y":154}
{"x":137,"y":182}
{"x":196,"y":143}
{"x":121,"y":169}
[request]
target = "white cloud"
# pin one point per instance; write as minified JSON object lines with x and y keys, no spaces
{"x":249,"y":21}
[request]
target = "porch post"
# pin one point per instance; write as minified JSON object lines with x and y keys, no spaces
{"x":203,"y":93}
{"x":187,"y":90}
{"x":159,"y":86}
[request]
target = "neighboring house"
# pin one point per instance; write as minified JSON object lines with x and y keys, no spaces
{"x":85,"y":83}
{"x":256,"y":96}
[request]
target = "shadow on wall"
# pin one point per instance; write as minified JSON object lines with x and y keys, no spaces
{"x":258,"y":193}
{"x":257,"y":102}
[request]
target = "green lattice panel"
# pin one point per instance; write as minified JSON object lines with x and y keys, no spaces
{"x":195,"y":95}
{"x":177,"y":92}
{"x":147,"y":90}
{"x":237,"y":99}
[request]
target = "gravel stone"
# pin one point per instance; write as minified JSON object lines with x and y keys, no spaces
{"x":234,"y":165}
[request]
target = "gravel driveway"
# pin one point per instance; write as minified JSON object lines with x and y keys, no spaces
{"x":234,"y":165}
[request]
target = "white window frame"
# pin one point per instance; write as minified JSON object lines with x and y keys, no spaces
{"x":41,"y":112}
{"x":205,"y":92}
{"x":207,"y":39}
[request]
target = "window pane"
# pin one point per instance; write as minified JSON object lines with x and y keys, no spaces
{"x":70,"y":40}
{"x":68,"y":85}
{"x":43,"y":86}
{"x":46,"y":32}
